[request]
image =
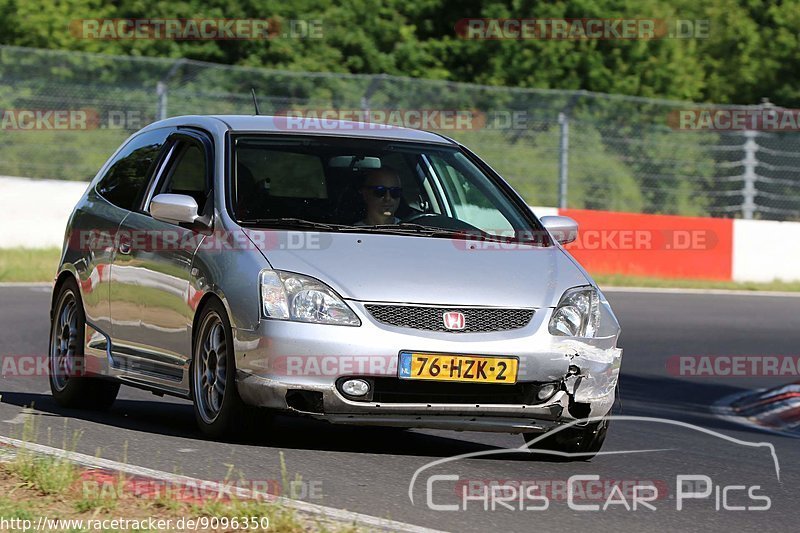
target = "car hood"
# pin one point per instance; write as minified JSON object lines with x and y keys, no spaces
{"x":411,"y":269}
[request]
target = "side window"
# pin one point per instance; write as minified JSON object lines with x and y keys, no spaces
{"x":126,"y":179}
{"x":187,"y":174}
{"x":468,"y":202}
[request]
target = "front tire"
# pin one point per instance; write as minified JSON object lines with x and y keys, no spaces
{"x":217,"y":405}
{"x":70,"y":388}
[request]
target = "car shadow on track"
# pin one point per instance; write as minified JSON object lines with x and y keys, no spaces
{"x":661,"y":397}
{"x":176,"y":419}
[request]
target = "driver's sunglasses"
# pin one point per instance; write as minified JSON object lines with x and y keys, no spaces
{"x":380,"y":191}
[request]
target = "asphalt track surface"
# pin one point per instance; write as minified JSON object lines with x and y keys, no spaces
{"x":368,"y":470}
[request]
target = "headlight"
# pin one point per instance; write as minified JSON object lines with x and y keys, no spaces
{"x":577,"y":313}
{"x":289,"y":296}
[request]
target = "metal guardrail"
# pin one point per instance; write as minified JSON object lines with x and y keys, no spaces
{"x":562,"y":148}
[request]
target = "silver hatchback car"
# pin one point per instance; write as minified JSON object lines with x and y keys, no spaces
{"x":355,"y":273}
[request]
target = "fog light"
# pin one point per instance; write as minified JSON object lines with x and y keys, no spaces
{"x":545,"y":391}
{"x":355,"y":387}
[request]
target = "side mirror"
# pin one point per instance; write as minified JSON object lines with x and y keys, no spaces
{"x":563,"y":229}
{"x":174,"y":208}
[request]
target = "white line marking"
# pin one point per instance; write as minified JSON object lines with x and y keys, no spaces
{"x":304,"y":507}
{"x":731,"y":292}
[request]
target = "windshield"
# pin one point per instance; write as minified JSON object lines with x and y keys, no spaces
{"x":368,"y":185}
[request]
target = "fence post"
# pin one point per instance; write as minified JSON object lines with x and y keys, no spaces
{"x":161,"y":88}
{"x":749,"y":187}
{"x":161,"y":92}
{"x":373,"y":87}
{"x":563,"y":152}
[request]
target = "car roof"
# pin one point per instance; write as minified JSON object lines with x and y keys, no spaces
{"x":302,"y":126}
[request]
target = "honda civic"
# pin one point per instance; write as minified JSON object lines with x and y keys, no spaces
{"x":350,"y":272}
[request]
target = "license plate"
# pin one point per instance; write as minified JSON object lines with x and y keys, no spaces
{"x":465,"y":368}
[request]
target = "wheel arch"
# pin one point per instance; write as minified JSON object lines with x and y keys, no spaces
{"x":65,"y":275}
{"x":201,"y":305}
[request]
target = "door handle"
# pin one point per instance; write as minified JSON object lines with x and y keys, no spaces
{"x":125,"y":248}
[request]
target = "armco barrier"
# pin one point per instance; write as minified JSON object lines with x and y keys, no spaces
{"x":34,"y":213}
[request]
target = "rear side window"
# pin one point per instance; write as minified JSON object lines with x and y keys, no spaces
{"x":125,"y":181}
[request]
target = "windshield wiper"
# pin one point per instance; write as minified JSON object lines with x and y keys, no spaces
{"x":474,"y":234}
{"x":291,"y":223}
{"x":405,"y":228}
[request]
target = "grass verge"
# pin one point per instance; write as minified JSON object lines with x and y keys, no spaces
{"x":23,"y":264}
{"x":83,"y":505}
{"x":42,"y":492}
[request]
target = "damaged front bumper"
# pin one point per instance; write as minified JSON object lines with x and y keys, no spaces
{"x":297,"y":367}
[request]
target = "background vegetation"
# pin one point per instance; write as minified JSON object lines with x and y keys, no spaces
{"x":623,"y":153}
{"x":751,"y":50}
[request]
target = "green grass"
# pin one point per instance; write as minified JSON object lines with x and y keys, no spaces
{"x":34,"y":485}
{"x":46,"y":473}
{"x":15,"y":509}
{"x":23,"y":500}
{"x":23,"y":264}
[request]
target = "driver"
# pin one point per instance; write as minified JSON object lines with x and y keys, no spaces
{"x":381,"y":192}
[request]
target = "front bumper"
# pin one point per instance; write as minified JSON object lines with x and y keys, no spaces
{"x":295,"y":366}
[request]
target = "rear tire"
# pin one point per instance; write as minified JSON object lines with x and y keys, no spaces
{"x":66,"y":358}
{"x":586,"y":440}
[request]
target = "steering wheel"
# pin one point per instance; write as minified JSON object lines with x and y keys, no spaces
{"x":418,"y":216}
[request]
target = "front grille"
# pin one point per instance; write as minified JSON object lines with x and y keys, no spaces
{"x":476,"y":319}
{"x":393,"y":390}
